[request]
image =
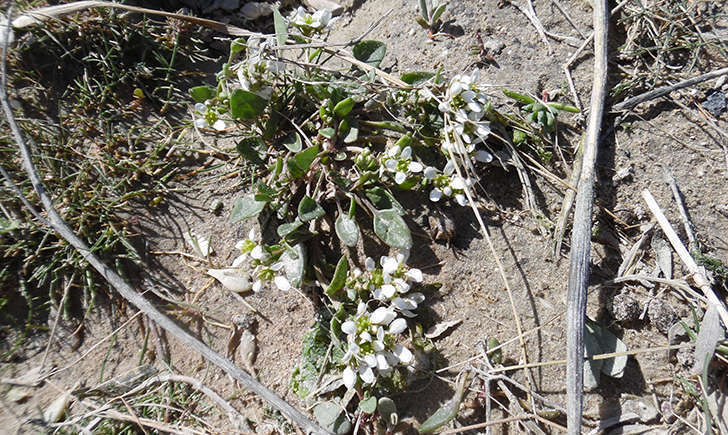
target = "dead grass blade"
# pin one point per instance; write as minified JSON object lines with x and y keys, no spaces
{"x":581,"y":234}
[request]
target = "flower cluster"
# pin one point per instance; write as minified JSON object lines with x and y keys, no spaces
{"x":266,"y":262}
{"x":309,"y":24}
{"x":205,"y":116}
{"x":372,"y":347}
{"x":399,"y":162}
{"x":256,"y":72}
{"x":466,"y":101}
{"x":447,"y":183}
{"x":392,"y":282}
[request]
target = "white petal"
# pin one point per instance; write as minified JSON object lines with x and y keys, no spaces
{"x":369,"y":264}
{"x":444,"y":107}
{"x":240,"y":259}
{"x":400,"y":177}
{"x":257,"y":286}
{"x":378,"y":345}
{"x":370,"y":360}
{"x":415,"y":167}
{"x":403,"y":354}
{"x":475,"y":107}
{"x":407,"y":313}
{"x":390,"y":164}
{"x":430,"y":172}
{"x":482,"y":129}
{"x":231,"y":279}
{"x":457,"y":183}
{"x":282,"y":283}
{"x":397,"y":326}
{"x":367,"y":375}
{"x":348,"y":327}
{"x":402,"y":285}
{"x":349,"y":378}
{"x":483,"y":156}
{"x":382,"y":363}
{"x":468,"y":96}
{"x":455,"y":88}
{"x":449,"y":167}
{"x":435,"y":194}
{"x":466,"y":138}
{"x":382,"y":316}
{"x":403,"y":304}
{"x":406,"y":153}
{"x":378,"y":294}
{"x":388,"y":290}
{"x":414,"y":275}
{"x":380,"y":335}
{"x":200,"y":123}
{"x":219,"y":125}
{"x":389,"y":265}
{"x":418,"y":297}
{"x":200,"y":108}
{"x":361,"y":309}
{"x":365,"y":336}
{"x":402,"y":255}
{"x":447,"y":190}
{"x":460,"y":198}
{"x":257,"y":252}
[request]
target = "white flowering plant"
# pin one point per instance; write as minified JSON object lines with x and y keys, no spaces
{"x":331,"y":156}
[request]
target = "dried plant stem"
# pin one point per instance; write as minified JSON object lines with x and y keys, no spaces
{"x":124,"y":289}
{"x":664,"y":90}
{"x":581,"y":233}
{"x":530,"y":13}
{"x":697,"y":274}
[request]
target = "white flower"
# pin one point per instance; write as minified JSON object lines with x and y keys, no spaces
{"x":400,"y":162}
{"x":309,"y":24}
{"x":382,"y":316}
{"x":282,"y":283}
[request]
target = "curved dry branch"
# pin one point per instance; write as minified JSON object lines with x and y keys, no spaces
{"x":125,"y":290}
{"x":581,"y":233}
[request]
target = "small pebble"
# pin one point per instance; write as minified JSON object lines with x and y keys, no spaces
{"x":216,"y":206}
{"x":715,"y":103}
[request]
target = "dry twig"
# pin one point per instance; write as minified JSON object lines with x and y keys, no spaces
{"x":697,"y":274}
{"x":581,"y":234}
{"x":664,"y":90}
{"x":124,"y":289}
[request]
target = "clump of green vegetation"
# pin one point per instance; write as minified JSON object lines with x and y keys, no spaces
{"x":100,"y":154}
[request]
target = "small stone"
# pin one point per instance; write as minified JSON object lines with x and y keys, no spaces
{"x":624,"y":309}
{"x":662,"y":315}
{"x":715,"y":103}
{"x":623,"y":174}
{"x":494,"y":46}
{"x":216,"y":206}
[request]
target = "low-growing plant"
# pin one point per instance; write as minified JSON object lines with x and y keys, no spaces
{"x":333,"y":153}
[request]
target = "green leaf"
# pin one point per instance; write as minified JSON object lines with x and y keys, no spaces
{"x":391,"y":228}
{"x":382,"y":199}
{"x":301,"y":162}
{"x":309,"y":210}
{"x":416,"y":78}
{"x":592,"y":368}
{"x":519,"y":137}
{"x":292,"y":141}
{"x":368,"y":405}
{"x":246,"y":105}
{"x":519,"y":97}
{"x":332,"y":417}
{"x":438,"y":13}
{"x":347,"y":230}
{"x":315,"y":345}
{"x":609,"y":343}
{"x":564,"y":107}
{"x":423,"y":23}
{"x":281,"y":27}
{"x":344,"y":107}
{"x":246,"y":207}
{"x":350,"y":130}
{"x":423,"y":10}
{"x":294,"y":264}
{"x":388,"y":411}
{"x":252,"y":147}
{"x":442,"y":416}
{"x":339,"y":279}
{"x":370,"y":52}
{"x":8,"y":225}
{"x":202,"y":93}
{"x":286,"y":229}
{"x":236,"y":46}
{"x":327,"y":132}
